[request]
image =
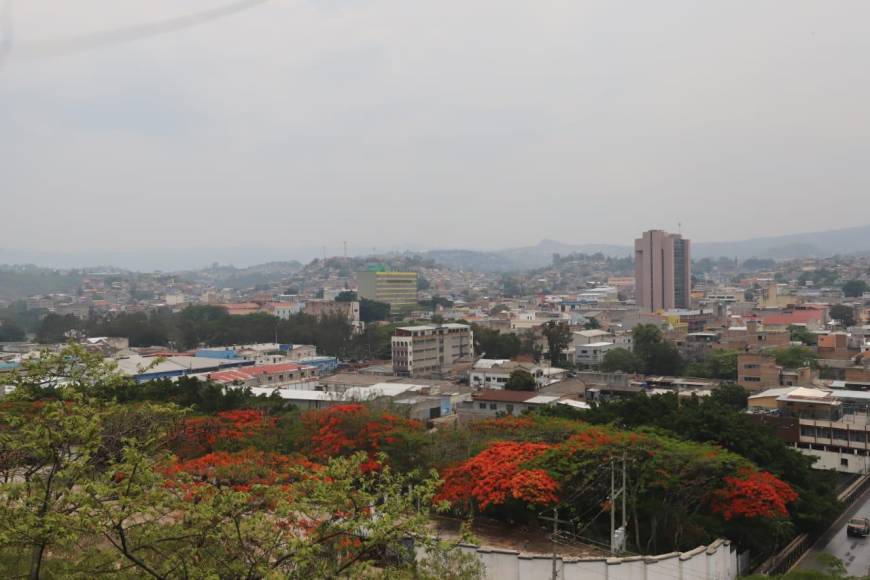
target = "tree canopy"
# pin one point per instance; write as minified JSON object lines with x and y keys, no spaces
{"x":855,"y":288}
{"x":658,"y":356}
{"x":621,"y":360}
{"x":90,"y":487}
{"x":843,"y":314}
{"x":559,"y":338}
{"x":521,"y":380}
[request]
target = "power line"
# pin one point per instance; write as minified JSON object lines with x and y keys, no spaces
{"x":117,"y":36}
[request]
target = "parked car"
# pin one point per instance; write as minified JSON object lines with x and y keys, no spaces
{"x":858,"y":527}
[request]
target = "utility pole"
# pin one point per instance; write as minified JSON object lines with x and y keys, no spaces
{"x":612,"y":507}
{"x":555,"y":530}
{"x":618,"y":535}
{"x":624,"y":512}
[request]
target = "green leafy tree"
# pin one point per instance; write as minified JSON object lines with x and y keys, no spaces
{"x":10,"y":331}
{"x":793,"y":357}
{"x":346,"y":296}
{"x":337,"y":522}
{"x":87,"y":490}
{"x":720,"y":419}
{"x":720,"y":364}
{"x":802,"y":334}
{"x":372,"y":310}
{"x":56,"y":327}
{"x":855,"y":288}
{"x":435,"y":302}
{"x":494,"y":344}
{"x":498,"y":308}
{"x":559,"y":337}
{"x":658,"y":355}
{"x":529,"y":345}
{"x":54,"y":449}
{"x":592,"y":324}
{"x":621,"y":360}
{"x":521,"y":380}
{"x":844,"y":314}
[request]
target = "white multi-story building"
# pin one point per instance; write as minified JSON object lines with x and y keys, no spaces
{"x":495,"y":373}
{"x":592,"y":354}
{"x":429,"y":350}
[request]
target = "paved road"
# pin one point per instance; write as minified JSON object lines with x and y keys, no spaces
{"x":854,"y":552}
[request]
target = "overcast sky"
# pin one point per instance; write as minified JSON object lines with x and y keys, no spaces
{"x":429,"y":123}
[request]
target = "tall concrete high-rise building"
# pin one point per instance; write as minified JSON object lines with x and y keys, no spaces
{"x":398,"y":289}
{"x":662,"y":271}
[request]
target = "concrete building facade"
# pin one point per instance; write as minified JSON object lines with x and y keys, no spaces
{"x":663,"y":271}
{"x":398,"y":289}
{"x":429,"y":350}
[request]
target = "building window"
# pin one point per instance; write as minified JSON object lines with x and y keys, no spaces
{"x":509,"y":408}
{"x":481,"y":406}
{"x":493,"y":406}
{"x":844,"y":462}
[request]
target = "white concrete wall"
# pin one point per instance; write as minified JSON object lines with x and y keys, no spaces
{"x":833,"y":460}
{"x":714,"y":562}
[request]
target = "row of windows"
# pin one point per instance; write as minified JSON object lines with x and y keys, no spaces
{"x":493,"y":407}
{"x":827,"y":433}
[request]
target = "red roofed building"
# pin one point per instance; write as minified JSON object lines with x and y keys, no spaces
{"x":242,"y":308}
{"x":277,"y":375}
{"x":810,"y":316}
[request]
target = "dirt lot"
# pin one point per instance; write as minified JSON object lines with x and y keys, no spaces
{"x":523,"y":539}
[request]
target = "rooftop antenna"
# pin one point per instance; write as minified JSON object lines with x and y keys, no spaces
{"x":680,"y":228}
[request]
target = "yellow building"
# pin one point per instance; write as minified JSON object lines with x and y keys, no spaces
{"x":398,"y":289}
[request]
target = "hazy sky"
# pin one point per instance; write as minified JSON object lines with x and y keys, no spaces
{"x":430,"y":123}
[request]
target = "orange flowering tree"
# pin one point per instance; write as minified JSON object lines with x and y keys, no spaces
{"x":345,"y":429}
{"x":753,"y":494}
{"x":226,"y":430}
{"x":243,"y":469}
{"x":337,"y":521}
{"x":681,"y":494}
{"x":500,"y":474}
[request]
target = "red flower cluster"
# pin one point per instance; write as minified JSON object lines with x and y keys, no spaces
{"x":243,"y":469}
{"x":496,"y":475}
{"x":592,"y":438}
{"x":753,"y":494}
{"x":244,"y":423}
{"x":349,"y":428}
{"x":198,"y":435}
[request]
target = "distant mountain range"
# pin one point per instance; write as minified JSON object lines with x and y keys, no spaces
{"x":817,"y":244}
{"x":523,"y":258}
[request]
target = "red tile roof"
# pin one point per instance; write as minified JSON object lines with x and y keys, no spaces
{"x":247,"y":373}
{"x":794,"y":317}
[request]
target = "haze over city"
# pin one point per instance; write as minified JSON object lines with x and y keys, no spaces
{"x":302,"y":124}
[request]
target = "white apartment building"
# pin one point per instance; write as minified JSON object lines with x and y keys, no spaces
{"x":592,"y":354}
{"x":495,"y":373}
{"x":429,"y":350}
